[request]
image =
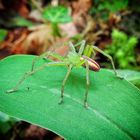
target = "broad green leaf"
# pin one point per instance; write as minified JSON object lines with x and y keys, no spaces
{"x":57,"y":14}
{"x":4,"y":117}
{"x":114,"y":104}
{"x":131,"y":75}
{"x":3,"y":34}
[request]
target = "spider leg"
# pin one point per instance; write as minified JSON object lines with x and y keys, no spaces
{"x":54,"y":55}
{"x":83,"y":42}
{"x":64,"y":82}
{"x":88,"y":51}
{"x":46,"y":54}
{"x":37,"y":58}
{"x":108,"y":56}
{"x":27,"y":74}
{"x":72,"y":47}
{"x":87,"y":84}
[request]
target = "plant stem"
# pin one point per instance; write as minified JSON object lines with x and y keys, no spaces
{"x":56,"y":30}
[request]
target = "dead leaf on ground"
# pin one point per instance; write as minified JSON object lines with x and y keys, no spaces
{"x":41,"y":39}
{"x":80,"y":10}
{"x":13,"y":42}
{"x":36,"y":40}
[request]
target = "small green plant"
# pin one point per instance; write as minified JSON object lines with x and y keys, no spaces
{"x":122,"y":49}
{"x":56,"y":15}
{"x":104,"y":8}
{"x":73,"y":59}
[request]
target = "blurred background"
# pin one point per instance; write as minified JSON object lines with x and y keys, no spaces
{"x":36,"y":26}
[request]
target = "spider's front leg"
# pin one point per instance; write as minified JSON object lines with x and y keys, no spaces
{"x":39,"y":57}
{"x":46,"y":54}
{"x":27,"y":74}
{"x":64,"y":82}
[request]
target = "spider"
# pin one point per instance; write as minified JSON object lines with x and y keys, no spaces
{"x":73,"y":59}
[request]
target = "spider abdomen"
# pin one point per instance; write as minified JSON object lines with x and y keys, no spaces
{"x":93,"y":65}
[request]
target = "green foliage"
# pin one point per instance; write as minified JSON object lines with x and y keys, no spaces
{"x":130,"y":24}
{"x":134,"y":5}
{"x":56,"y":14}
{"x":130,"y":75}
{"x":122,"y":49}
{"x":104,"y":7}
{"x":113,"y":6}
{"x":114,"y":104}
{"x":6,"y":122}
{"x":3,"y":34}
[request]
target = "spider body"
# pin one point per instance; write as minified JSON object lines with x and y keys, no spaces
{"x":77,"y":60}
{"x":73,"y":59}
{"x":93,"y":65}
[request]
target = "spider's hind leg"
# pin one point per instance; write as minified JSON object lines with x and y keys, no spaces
{"x":108,"y":56}
{"x":87,"y":85}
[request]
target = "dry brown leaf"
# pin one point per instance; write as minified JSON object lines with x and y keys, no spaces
{"x":80,"y":10}
{"x":13,"y":42}
{"x":69,"y":30}
{"x":81,"y":6}
{"x":35,"y":132}
{"x":39,"y":40}
{"x":36,"y":40}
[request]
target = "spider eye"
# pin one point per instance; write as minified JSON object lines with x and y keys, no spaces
{"x":93,"y":65}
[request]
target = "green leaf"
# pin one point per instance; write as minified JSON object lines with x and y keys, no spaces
{"x":3,"y":34}
{"x":4,"y":127}
{"x":113,"y":6}
{"x":114,"y":104}
{"x":4,"y":117}
{"x":131,"y":75}
{"x":6,"y":122}
{"x":57,"y":14}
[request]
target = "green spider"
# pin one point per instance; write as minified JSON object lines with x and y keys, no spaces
{"x":73,"y":59}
